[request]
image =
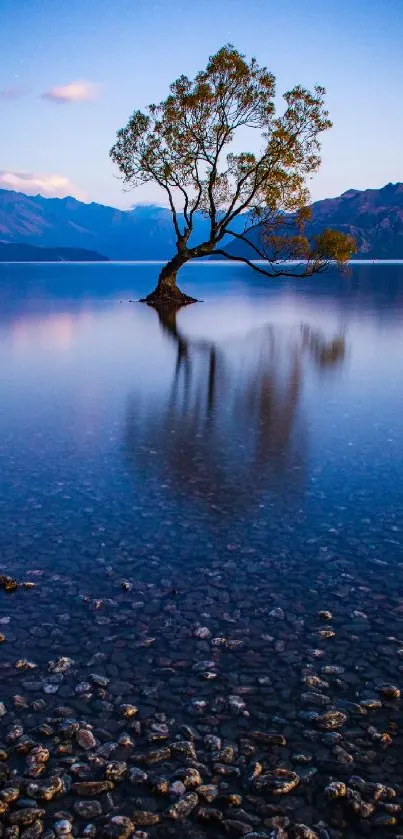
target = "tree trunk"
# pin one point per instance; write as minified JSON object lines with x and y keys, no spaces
{"x":167,"y":293}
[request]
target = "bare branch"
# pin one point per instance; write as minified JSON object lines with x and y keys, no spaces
{"x":300,"y":271}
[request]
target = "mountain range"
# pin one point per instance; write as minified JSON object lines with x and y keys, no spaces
{"x":16,"y":252}
{"x":145,"y":232}
{"x":373,"y":216}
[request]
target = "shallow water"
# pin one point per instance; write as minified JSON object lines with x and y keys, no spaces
{"x":240,"y":467}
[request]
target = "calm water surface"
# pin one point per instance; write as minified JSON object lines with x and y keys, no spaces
{"x":238,"y":466}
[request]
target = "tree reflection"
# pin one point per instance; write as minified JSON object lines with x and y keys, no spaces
{"x":230,"y":429}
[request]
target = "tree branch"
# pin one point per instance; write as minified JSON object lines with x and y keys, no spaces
{"x":309,"y":268}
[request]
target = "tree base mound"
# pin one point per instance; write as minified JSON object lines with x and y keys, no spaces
{"x":166,"y":298}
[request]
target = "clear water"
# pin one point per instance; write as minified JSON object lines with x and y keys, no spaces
{"x":244,"y":456}
{"x":247,"y":420}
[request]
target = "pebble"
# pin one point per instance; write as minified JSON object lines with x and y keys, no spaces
{"x":277,"y":782}
{"x":116,"y":770}
{"x":137,"y":776}
{"x":389,"y":691}
{"x":145,"y":818}
{"x":118,"y":827}
{"x":128,"y":710}
{"x":90,"y":788}
{"x":202,"y":632}
{"x":86,"y":739}
{"x":331,"y":720}
{"x":268,"y":738}
{"x":87,"y":809}
{"x":182,"y":808}
{"x":26,"y":816}
{"x":208,"y":792}
{"x":337,"y":789}
{"x":63,"y":827}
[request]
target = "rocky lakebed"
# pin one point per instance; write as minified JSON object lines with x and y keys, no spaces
{"x":199,"y":706}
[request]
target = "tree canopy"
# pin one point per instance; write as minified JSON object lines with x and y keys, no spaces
{"x":188,"y":145}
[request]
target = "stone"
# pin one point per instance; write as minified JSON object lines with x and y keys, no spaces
{"x":86,"y":739}
{"x":209,"y":814}
{"x":145,"y":818}
{"x":33,"y":831}
{"x":236,"y":704}
{"x":119,"y":827}
{"x":190,"y":776}
{"x":337,"y":789}
{"x":116,"y":770}
{"x":7,"y":583}
{"x":277,"y":613}
{"x":202,"y":632}
{"x":207,"y":791}
{"x":60,"y":665}
{"x":63,"y":827}
{"x":26,"y":816}
{"x":90,"y":788}
{"x":177,"y":788}
{"x":233,"y":827}
{"x":277,"y":782}
{"x":45,"y":790}
{"x":9,"y":794}
{"x":331,"y":720}
{"x":389,"y":691}
{"x":212,"y":743}
{"x":137,"y":776}
{"x":269,"y":739}
{"x":87,"y":809}
{"x":182,"y":808}
{"x":157,"y":756}
{"x":128,"y":710}
{"x":184,"y":747}
{"x":36,"y":761}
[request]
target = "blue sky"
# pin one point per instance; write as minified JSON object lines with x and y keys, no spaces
{"x":72,"y":71}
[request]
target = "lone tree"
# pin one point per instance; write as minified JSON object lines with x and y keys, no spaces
{"x":188,"y":146}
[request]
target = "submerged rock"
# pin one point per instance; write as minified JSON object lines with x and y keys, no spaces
{"x":86,"y":739}
{"x":331,"y":720}
{"x":26,"y":816}
{"x":389,"y":691}
{"x":182,"y":808}
{"x":91,"y":788}
{"x":87,"y":809}
{"x":277,"y":782}
{"x":337,"y":789}
{"x":145,"y":818}
{"x":63,"y":827}
{"x":119,"y":827}
{"x":8,"y":584}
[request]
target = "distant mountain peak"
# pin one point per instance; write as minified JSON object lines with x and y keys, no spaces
{"x":149,"y":209}
{"x":350,"y":193}
{"x":396,"y":187}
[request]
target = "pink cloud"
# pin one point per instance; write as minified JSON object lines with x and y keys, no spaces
{"x":51,"y":186}
{"x":72,"y":92}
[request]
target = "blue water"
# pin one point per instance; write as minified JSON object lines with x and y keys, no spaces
{"x":101,"y":429}
{"x":244,"y":456}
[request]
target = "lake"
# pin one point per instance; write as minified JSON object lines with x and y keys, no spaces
{"x":210,"y":505}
